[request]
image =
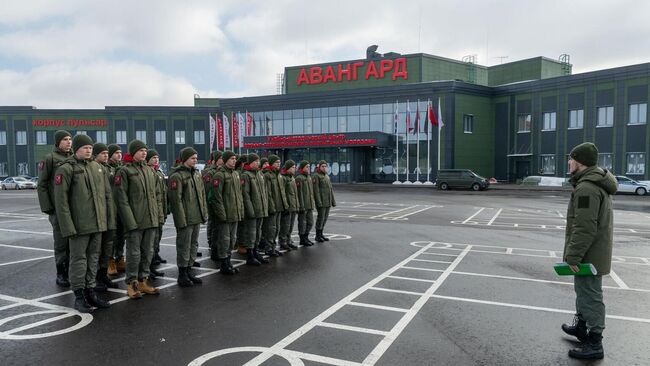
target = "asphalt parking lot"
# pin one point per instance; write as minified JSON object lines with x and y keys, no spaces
{"x":411,"y":276}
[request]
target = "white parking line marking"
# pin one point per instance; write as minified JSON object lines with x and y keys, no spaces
{"x":411,"y":213}
{"x":494,"y":217}
{"x":26,"y":260}
{"x":396,"y":291}
{"x":24,"y":247}
{"x":475,"y":214}
{"x":429,"y":260}
{"x":411,"y":279}
{"x":618,"y":280}
{"x":352,"y":328}
{"x":48,"y":233}
{"x":380,"y":307}
{"x":392,"y":212}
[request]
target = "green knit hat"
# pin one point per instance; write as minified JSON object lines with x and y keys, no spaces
{"x":151,"y":153}
{"x":241,"y":160}
{"x":288,"y":164}
{"x":136,"y":145}
{"x":187,"y":153}
{"x":585,"y":154}
{"x":263,"y":161}
{"x":59,"y":135}
{"x":227,"y":155}
{"x":112,"y":148}
{"x":79,"y":141}
{"x":322,"y":162}
{"x":215,"y":156}
{"x":303,"y":164}
{"x":273,"y":159}
{"x":99,"y":148}
{"x":252,"y":158}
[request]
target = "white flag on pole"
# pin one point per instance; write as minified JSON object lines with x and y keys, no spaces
{"x":213,"y":130}
{"x":226,"y":132}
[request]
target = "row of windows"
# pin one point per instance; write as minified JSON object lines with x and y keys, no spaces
{"x":102,"y":136}
{"x":635,"y":163}
{"x":604,"y":118}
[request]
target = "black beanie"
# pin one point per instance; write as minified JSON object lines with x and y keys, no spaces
{"x":187,"y":153}
{"x":98,"y":148}
{"x":252,"y":158}
{"x":289,"y":163}
{"x":263,"y":161}
{"x":227,"y":155}
{"x":80,"y":140}
{"x":59,"y":135}
{"x":585,"y":154}
{"x":241,"y":160}
{"x":216,"y":155}
{"x":273,"y":159}
{"x":151,"y":153}
{"x":135,"y":146}
{"x":303,"y":164}
{"x":112,"y":148}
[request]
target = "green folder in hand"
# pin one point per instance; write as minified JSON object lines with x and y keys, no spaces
{"x":586,"y":269}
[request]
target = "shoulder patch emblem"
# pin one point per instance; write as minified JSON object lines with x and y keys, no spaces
{"x":215,"y":183}
{"x":206,"y":178}
{"x":41,"y":165}
{"x":173,"y":184}
{"x":583,"y":202}
{"x":243,"y":182}
{"x":118,"y":180}
{"x":58,"y":179}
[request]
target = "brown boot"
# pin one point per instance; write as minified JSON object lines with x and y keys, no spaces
{"x":121,"y":264}
{"x":112,"y":267}
{"x":146,"y":288}
{"x":242,"y":250}
{"x":133,"y":290}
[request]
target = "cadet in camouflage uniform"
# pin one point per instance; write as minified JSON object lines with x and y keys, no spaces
{"x":81,"y":193}
{"x":239,"y":167}
{"x":47,"y":167}
{"x":228,"y":209}
{"x":100,"y":151}
{"x":256,"y":209}
{"x":306,"y":203}
{"x":117,"y":262}
{"x":324,"y":197}
{"x":137,"y":203}
{"x":288,"y":217}
{"x":153,"y":160}
{"x":189,"y":209}
{"x":207,"y":174}
{"x":277,"y":201}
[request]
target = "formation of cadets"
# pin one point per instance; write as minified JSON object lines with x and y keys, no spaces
{"x":108,"y":209}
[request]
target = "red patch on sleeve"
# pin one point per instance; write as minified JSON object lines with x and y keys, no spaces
{"x":173,"y":185}
{"x":118,"y":180}
{"x":58,"y":179}
{"x":206,"y":178}
{"x":41,"y":165}
{"x":215,"y":183}
{"x":242,"y":182}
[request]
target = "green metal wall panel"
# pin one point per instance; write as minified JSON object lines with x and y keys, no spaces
{"x":475,"y":150}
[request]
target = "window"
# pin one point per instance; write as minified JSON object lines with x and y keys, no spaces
{"x":179,"y":137}
{"x":3,"y":137}
{"x":120,"y":137}
{"x":524,"y":121}
{"x":141,"y":135}
{"x":161,"y":137}
{"x":548,"y":164}
{"x":80,"y":132}
{"x":605,"y":161}
{"x":468,"y":123}
{"x":549,"y":121}
{"x":638,"y":113}
{"x":199,"y":137}
{"x":635,"y":163}
{"x":3,"y":168}
{"x":102,"y":137}
{"x":21,"y":137}
{"x":576,"y":118}
{"x":605,"y":116}
{"x":41,"y":137}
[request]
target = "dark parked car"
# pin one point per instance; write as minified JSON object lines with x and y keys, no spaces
{"x":460,"y":178}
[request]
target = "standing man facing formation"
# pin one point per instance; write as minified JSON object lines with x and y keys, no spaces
{"x":228,"y":210}
{"x":82,"y":193}
{"x":276,"y":200}
{"x":100,"y":151}
{"x":117,"y":263}
{"x":588,"y":239}
{"x":305,"y":203}
{"x":256,"y":209}
{"x":189,"y":209}
{"x":47,"y":167}
{"x":324,"y":197}
{"x":288,"y":217}
{"x":137,"y":204}
{"x":153,"y":160}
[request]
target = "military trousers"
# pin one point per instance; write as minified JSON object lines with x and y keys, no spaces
{"x":208,"y":230}
{"x":305,"y":222}
{"x":61,"y":245}
{"x":589,"y":301}
{"x":139,"y":252}
{"x":252,"y":231}
{"x":187,"y":243}
{"x":226,"y":239}
{"x":287,"y":221}
{"x":106,"y":248}
{"x":84,"y":256}
{"x":118,"y":240}
{"x":213,"y":234}
{"x":271,"y":227}
{"x":321,"y":219}
{"x":157,"y":239}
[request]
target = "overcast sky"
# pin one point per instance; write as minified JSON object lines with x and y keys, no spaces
{"x":90,"y":54}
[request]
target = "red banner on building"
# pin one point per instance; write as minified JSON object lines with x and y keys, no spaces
{"x":220,"y":144}
{"x":235,"y":131}
{"x":310,"y":140}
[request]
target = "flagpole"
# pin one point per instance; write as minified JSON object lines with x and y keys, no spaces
{"x":428,"y":182}
{"x":396,"y":127}
{"x":417,"y":141}
{"x":408,"y":119}
{"x":439,"y":128}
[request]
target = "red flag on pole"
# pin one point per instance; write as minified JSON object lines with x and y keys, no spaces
{"x":220,"y":144}
{"x":432,"y":115}
{"x":417,"y":118}
{"x":235,"y":131}
{"x":249,"y":124}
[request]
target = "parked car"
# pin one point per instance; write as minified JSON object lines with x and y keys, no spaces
{"x":460,"y":178}
{"x":35,"y":180}
{"x":17,"y":183}
{"x":627,"y":185}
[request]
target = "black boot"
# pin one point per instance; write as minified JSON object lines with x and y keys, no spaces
{"x":159,"y":259}
{"x":199,"y":254}
{"x":260,"y":258}
{"x":271,"y":253}
{"x":284,"y":246}
{"x":195,"y":280}
{"x":304,"y":242}
{"x":196,"y":264}
{"x":319,"y":237}
{"x":61,"y":276}
{"x":225,"y":268}
{"x":309,"y":241}
{"x":154,"y":262}
{"x":99,"y":286}
{"x":235,"y":270}
{"x":80,"y":302}
{"x":578,"y":329}
{"x":323,"y":237}
{"x":250,"y":258}
{"x":102,"y":275}
{"x":590,"y":349}
{"x":95,"y":301}
{"x":153,"y":273}
{"x":183,"y":280}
